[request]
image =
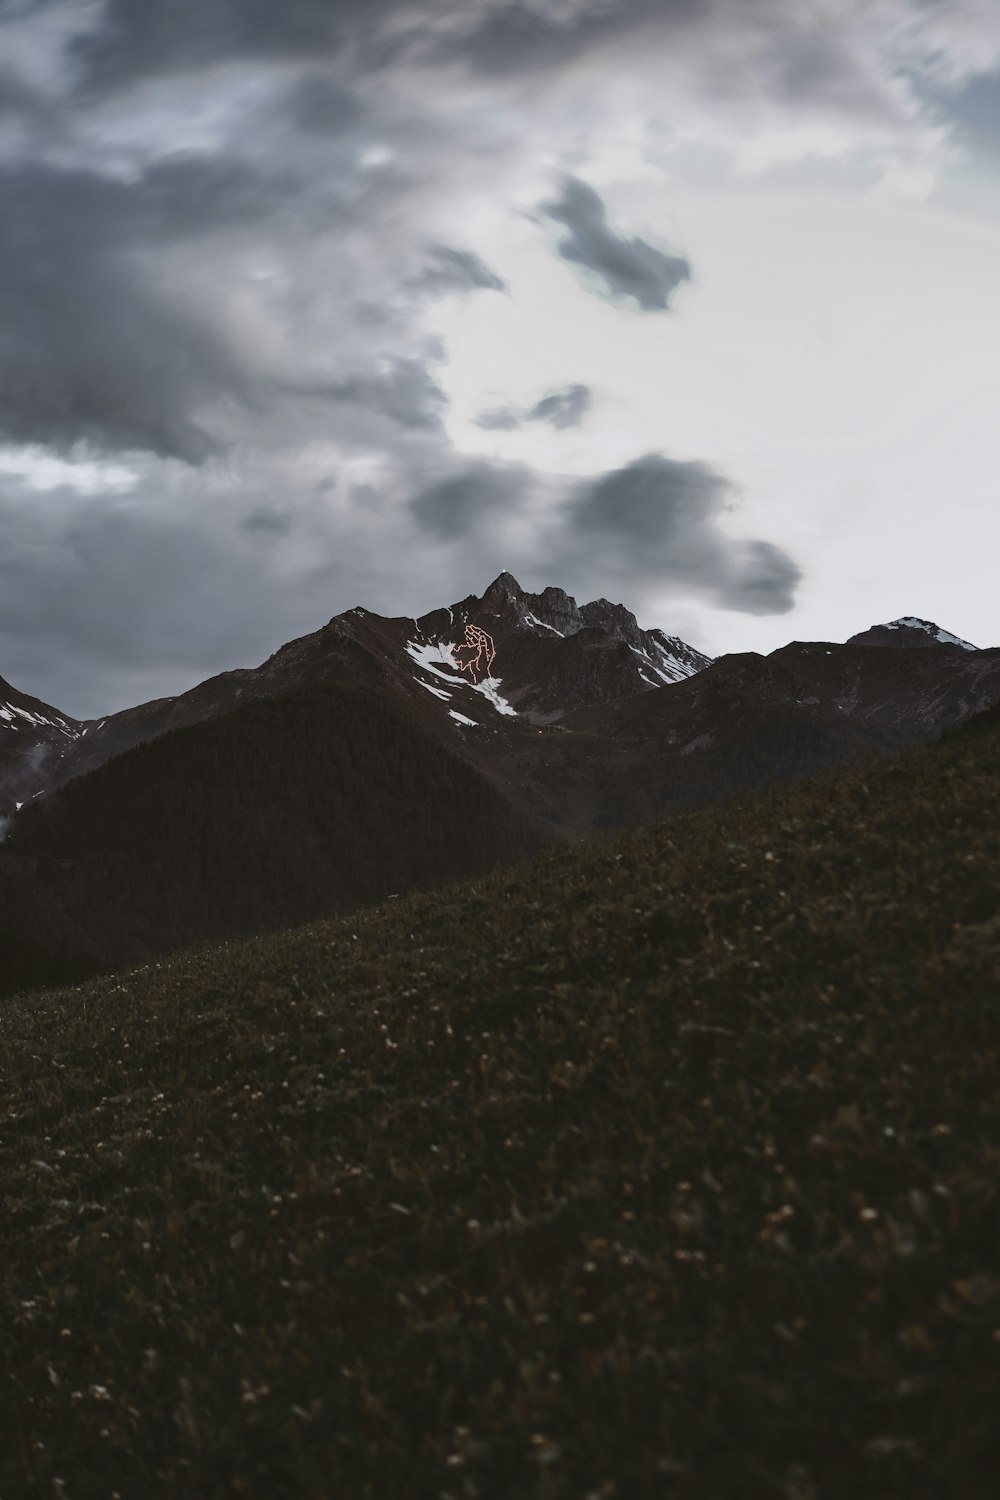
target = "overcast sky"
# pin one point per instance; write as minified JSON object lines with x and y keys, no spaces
{"x":693,"y":304}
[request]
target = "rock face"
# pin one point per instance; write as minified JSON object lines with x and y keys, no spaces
{"x":558,"y":655}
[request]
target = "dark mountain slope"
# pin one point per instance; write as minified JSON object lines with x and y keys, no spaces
{"x":311,"y":662}
{"x":985,"y":719}
{"x":747,"y":723}
{"x":33,"y":737}
{"x":274,"y":813}
{"x":661,"y":1166}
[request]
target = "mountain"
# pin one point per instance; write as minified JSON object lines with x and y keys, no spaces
{"x":326,"y":799}
{"x":555,"y":657}
{"x":383,"y":754}
{"x":749,"y":722}
{"x":909,"y":631}
{"x":33,"y":738}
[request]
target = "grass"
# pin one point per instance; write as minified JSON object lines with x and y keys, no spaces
{"x":666,"y":1165}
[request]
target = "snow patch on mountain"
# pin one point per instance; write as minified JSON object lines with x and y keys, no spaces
{"x":530,"y":619}
{"x":490,"y":689}
{"x":910,"y":622}
{"x":668,"y":668}
{"x":436,"y":656}
{"x":438,"y":692}
{"x":37,"y":721}
{"x":432,"y":656}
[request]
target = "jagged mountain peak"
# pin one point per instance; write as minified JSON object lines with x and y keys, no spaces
{"x":551,"y":654}
{"x":909,"y":630}
{"x":619,"y":622}
{"x":554,"y":611}
{"x":504,"y":585}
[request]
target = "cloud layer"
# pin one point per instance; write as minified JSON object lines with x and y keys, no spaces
{"x":92,"y":346}
{"x":233,"y":232}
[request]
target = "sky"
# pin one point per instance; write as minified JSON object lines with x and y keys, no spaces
{"x":689,"y":304}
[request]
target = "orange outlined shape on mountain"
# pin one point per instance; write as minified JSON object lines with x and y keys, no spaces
{"x":477,"y":655}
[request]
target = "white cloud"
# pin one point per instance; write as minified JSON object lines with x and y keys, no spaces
{"x":42,"y":470}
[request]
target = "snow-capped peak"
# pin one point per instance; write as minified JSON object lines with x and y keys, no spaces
{"x":909,"y":630}
{"x":910,"y":622}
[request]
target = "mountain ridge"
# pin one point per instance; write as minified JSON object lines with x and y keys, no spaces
{"x":383,"y":754}
{"x":359,"y":643}
{"x":40,"y":747}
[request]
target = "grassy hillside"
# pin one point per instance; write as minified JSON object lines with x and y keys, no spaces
{"x":665,"y":1165}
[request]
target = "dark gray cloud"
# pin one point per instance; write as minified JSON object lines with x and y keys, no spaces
{"x":174,"y":198}
{"x":656,"y":522}
{"x":181,"y":196}
{"x":323,"y":106}
{"x":16,"y":96}
{"x":110,"y":600}
{"x":93,"y":349}
{"x":654,"y":499}
{"x":628,"y":266}
{"x":976,"y":110}
{"x":268,"y":521}
{"x":134,"y":39}
{"x":451,"y":270}
{"x":514,"y":37}
{"x":462,"y":504}
{"x":103,"y":604}
{"x":14,"y":10}
{"x":649,"y":528}
{"x":517,"y":38}
{"x":500,"y":419}
{"x":764,"y":579}
{"x":140,"y":38}
{"x":563,"y":408}
{"x":404,"y":390}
